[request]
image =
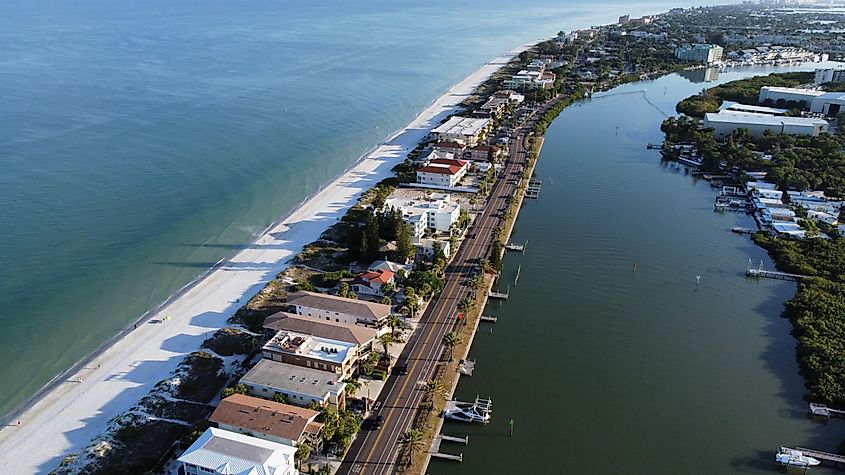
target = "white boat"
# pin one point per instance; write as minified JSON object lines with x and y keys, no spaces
{"x":794,"y":458}
{"x":478,"y":411}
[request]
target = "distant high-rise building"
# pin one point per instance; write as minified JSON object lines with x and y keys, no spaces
{"x":834,"y":75}
{"x":701,"y":53}
{"x":624,"y":19}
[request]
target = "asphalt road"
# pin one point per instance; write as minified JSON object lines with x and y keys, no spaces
{"x":375,"y":452}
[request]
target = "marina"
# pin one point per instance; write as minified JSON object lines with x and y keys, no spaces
{"x":478,"y":411}
{"x":532,"y":191}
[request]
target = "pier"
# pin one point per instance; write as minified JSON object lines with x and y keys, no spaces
{"x":824,"y":457}
{"x":773,"y":274}
{"x":438,"y":440}
{"x":517,"y":247}
{"x":739,"y":230}
{"x":499,"y":295}
{"x":466,"y":367}
{"x":488,"y":318}
{"x":533,"y":189}
{"x":823,"y":411}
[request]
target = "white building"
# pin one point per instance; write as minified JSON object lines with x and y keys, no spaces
{"x":834,"y":75}
{"x":219,"y":451}
{"x":426,"y":246}
{"x":299,"y":385}
{"x":530,"y":79}
{"x":829,"y":104}
{"x":337,"y":309}
{"x":435,"y":211}
{"x":772,"y":94}
{"x":442,"y":172}
{"x":372,"y":281}
{"x":701,"y":53}
{"x":726,"y":122}
{"x":464,"y":130}
{"x":510,"y":95}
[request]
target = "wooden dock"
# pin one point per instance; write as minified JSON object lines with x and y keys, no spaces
{"x":438,"y":440}
{"x":499,"y":295}
{"x":739,"y":230}
{"x":516,"y":247}
{"x":533,"y":189}
{"x":824,"y":457}
{"x":772,"y":274}
{"x":488,"y":318}
{"x":466,"y":367}
{"x":823,"y":411}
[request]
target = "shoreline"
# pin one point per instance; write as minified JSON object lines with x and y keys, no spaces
{"x":76,"y":406}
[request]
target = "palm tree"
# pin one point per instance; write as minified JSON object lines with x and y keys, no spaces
{"x":386,"y":340}
{"x":466,"y":304}
{"x":451,"y":340}
{"x":393,"y":321}
{"x":433,"y":387}
{"x":412,"y":442}
{"x":303,"y":452}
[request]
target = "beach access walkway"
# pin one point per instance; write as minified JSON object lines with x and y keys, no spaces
{"x":77,"y":406}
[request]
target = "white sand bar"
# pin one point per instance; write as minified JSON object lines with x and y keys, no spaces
{"x":78,"y":406}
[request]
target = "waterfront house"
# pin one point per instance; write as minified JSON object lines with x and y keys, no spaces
{"x":394,"y":267}
{"x":332,"y":308}
{"x":442,"y":172}
{"x":299,"y":385}
{"x":463,"y":130}
{"x":425,"y":211}
{"x":425,"y":246}
{"x":361,"y":336}
{"x":269,"y":420}
{"x":222,"y":452}
{"x":324,"y":354}
{"x":372,"y":281}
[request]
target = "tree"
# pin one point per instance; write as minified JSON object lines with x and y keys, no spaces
{"x":386,"y":340}
{"x":412,"y":301}
{"x":496,"y":256}
{"x":386,"y":300}
{"x":433,"y":387}
{"x":451,"y":340}
{"x":412,"y":442}
{"x":466,"y":304}
{"x":405,"y":249}
{"x":393,"y":321}
{"x":344,"y":290}
{"x":236,"y":389}
{"x":303,"y":452}
{"x":279,"y":397}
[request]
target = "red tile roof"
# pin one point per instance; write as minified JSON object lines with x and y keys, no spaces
{"x":448,"y":161}
{"x":450,"y":170}
{"x":377,"y":276}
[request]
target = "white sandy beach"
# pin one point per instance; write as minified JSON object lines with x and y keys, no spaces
{"x":67,"y":417}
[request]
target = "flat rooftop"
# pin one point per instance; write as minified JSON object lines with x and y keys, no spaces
{"x":310,"y":346}
{"x":418,"y":203}
{"x":457,"y":125}
{"x":296,"y":379}
{"x":734,"y":117}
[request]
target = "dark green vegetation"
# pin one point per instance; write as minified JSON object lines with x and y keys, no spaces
{"x":796,"y":162}
{"x":746,"y":91}
{"x":817,"y":311}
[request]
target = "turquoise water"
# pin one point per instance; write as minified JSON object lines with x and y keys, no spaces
{"x":140,"y":142}
{"x":607,"y":370}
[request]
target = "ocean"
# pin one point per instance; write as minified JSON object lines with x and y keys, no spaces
{"x":141,"y":142}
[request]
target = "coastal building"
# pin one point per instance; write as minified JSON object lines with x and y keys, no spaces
{"x":783,"y":95}
{"x":324,"y":354}
{"x":299,"y":385}
{"x":700,"y":53}
{"x":371,"y":282}
{"x":425,"y":246}
{"x":624,"y":19}
{"x":479,"y":153}
{"x":442,"y":149}
{"x":269,"y":420}
{"x":586,"y":34}
{"x":830,"y":75}
{"x":494,"y":107}
{"x":829,"y":104}
{"x":510,"y":95}
{"x":424,"y":212}
{"x":463,"y":130}
{"x":394,"y":267}
{"x":527,"y":79}
{"x":332,"y":308}
{"x":737,"y":107}
{"x":726,"y":122}
{"x":361,"y":336}
{"x":442,"y":172}
{"x":222,"y":452}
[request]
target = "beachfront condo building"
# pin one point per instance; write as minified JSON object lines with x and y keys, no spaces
{"x":463,"y":130}
{"x":425,"y":211}
{"x":219,"y":451}
{"x":310,"y":351}
{"x":442,"y":172}
{"x":332,"y":308}
{"x":299,"y":385}
{"x":362,"y":337}
{"x":269,"y":420}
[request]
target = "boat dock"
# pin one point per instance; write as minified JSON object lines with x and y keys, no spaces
{"x":466,"y":367}
{"x":533,"y":189}
{"x":499,"y":295}
{"x":824,"y":457}
{"x":516,"y":247}
{"x":826,"y":412}
{"x":488,"y":318}
{"x":438,"y":440}
{"x":772,"y":274}
{"x":740,"y":230}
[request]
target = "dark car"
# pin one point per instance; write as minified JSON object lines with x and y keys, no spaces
{"x":401,"y":369}
{"x":373,"y":423}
